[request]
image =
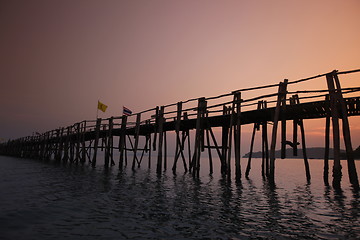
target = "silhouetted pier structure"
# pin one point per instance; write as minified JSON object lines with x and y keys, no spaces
{"x":80,"y":143}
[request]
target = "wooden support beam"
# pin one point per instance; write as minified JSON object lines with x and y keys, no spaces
{"x":165,"y":151}
{"x":265,"y":144}
{"x":237,"y":134}
{"x":61,"y":144}
{"x":177,"y":132}
{"x":209,"y":150}
{"x":136,"y":136}
{"x":83,"y":144}
{"x":187,"y":134}
{"x":295,"y":130}
{"x":57,"y":145}
{"x":195,"y":163}
{"x":42,"y":146}
{"x":346,"y":135}
{"x":67,"y":145}
{"x":283,"y":128}
{"x":78,"y":140}
{"x":88,"y":153}
{"x":255,"y":128}
{"x":302,"y":131}
{"x":224,"y":143}
{"x":103,"y":138}
{"x":327,"y":141}
{"x":125,"y":153}
{"x":72,"y":145}
{"x":218,"y":148}
{"x":160,"y":130}
{"x":156,"y":127}
{"x":145,"y":149}
{"x":96,"y":141}
{"x":149,"y":148}
{"x":108,"y":143}
{"x":122,"y":141}
{"x":337,"y":174}
{"x":47,"y":146}
{"x":231,"y":123}
{"x":281,"y":96}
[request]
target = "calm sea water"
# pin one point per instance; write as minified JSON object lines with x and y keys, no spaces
{"x":46,"y":201}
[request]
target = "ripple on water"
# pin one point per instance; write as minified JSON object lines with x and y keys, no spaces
{"x":46,"y":201}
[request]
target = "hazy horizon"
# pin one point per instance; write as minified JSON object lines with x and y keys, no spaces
{"x":59,"y":57}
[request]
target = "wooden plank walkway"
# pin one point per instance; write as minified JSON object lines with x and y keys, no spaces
{"x":80,"y":142}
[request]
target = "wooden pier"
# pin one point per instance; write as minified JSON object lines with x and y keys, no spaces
{"x":146,"y":131}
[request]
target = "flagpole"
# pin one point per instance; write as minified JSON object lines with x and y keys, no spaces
{"x":97,"y":110}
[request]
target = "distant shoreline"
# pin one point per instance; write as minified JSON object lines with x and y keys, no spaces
{"x":312,"y":153}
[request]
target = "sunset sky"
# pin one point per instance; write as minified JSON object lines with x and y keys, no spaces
{"x":58,"y":57}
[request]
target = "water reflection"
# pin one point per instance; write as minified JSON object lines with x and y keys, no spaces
{"x":55,"y":201}
{"x":344,"y":211}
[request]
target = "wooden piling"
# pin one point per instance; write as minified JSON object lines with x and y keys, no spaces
{"x":209,"y":150}
{"x":337,"y":175}
{"x":122,"y":140}
{"x":177,"y":135}
{"x":136,"y":136}
{"x":295,"y":130}
{"x":187,"y":135}
{"x":327,"y":141}
{"x":161,"y":138}
{"x":237,"y":134}
{"x":281,"y":96}
{"x":109,"y":144}
{"x":96,"y":141}
{"x":255,"y":128}
{"x":149,"y":149}
{"x":48,"y":146}
{"x":303,"y":144}
{"x":83,"y":144}
{"x":265,"y":143}
{"x":217,"y":147}
{"x":42,"y":146}
{"x":231,"y":123}
{"x":195,"y":162}
{"x":283,"y":128}
{"x":72,"y":145}
{"x":165,"y":151}
{"x":156,"y":127}
{"x":67,"y":145}
{"x":224,"y":143}
{"x":78,"y":139}
{"x":346,"y":134}
{"x":57,"y":146}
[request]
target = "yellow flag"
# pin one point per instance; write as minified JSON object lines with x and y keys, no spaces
{"x":102,"y":106}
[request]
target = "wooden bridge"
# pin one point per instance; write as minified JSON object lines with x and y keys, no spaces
{"x":80,"y":142}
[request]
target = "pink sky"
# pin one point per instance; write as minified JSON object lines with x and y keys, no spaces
{"x":59,"y":57}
